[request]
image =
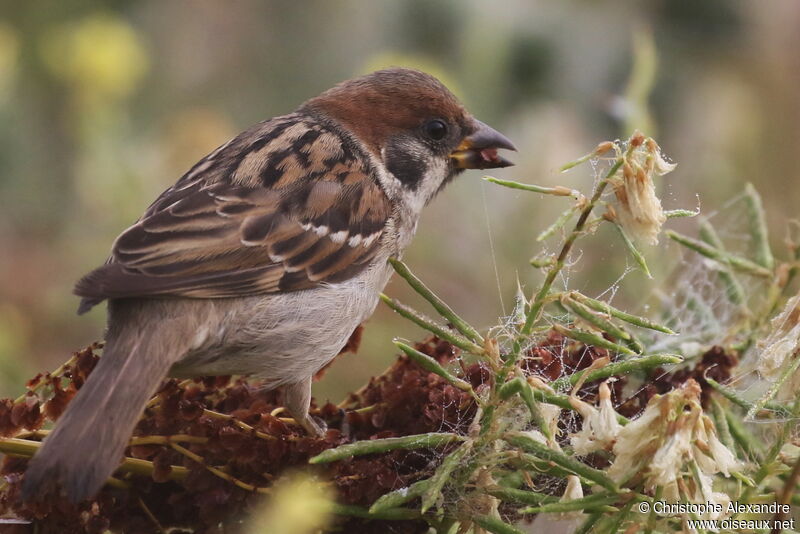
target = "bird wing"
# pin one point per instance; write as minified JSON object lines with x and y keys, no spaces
{"x":287,"y":205}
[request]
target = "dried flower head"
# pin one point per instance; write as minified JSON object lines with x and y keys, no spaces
{"x":600,"y":425}
{"x":638,"y":209}
{"x":783,"y":340}
{"x":573,"y":491}
{"x":670,"y":434}
{"x":704,"y":493}
{"x":550,"y":412}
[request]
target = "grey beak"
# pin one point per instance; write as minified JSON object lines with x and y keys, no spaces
{"x":479,"y":149}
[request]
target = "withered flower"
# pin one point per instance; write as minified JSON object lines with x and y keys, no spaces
{"x":671,"y":433}
{"x":600,"y":425}
{"x":638,"y":210}
{"x":783,"y":340}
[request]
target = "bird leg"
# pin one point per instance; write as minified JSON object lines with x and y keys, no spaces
{"x":297,"y":398}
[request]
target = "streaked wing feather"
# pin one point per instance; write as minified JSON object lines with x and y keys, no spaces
{"x":259,"y":215}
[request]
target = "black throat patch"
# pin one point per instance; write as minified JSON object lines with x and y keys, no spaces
{"x":405,"y":163}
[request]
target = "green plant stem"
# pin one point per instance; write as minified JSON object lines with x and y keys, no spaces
{"x":538,"y":301}
{"x":737,"y":262}
{"x":787,"y":371}
{"x":766,"y":464}
{"x":721,"y":424}
{"x":615,"y":525}
{"x":546,"y":467}
{"x":556,"y":399}
{"x":450,"y":463}
{"x":432,"y":326}
{"x":494,"y":525}
{"x":758,"y":227}
{"x":588,"y":523}
{"x":789,"y":488}
{"x":220,"y":472}
{"x":439,"y":305}
{"x":584,"y":503}
{"x":559,"y":191}
{"x":396,"y":514}
{"x":734,"y":289}
{"x":604,"y":307}
{"x":55,"y":373}
{"x":588,"y":338}
{"x":652,"y":517}
{"x":525,"y":442}
{"x":376,"y":446}
{"x":617,"y":368}
{"x":672,"y":214}
{"x":743,"y":437}
{"x":26,"y":449}
{"x":599,"y":322}
{"x":635,"y":253}
{"x":560,"y":221}
{"x":401,"y":496}
{"x":429,"y":364}
{"x":521,"y":496}
{"x":519,"y":386}
{"x":731,"y":394}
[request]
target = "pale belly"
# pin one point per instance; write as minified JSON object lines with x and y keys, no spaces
{"x":257,"y":335}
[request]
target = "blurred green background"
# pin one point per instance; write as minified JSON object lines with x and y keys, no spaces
{"x":103,"y":104}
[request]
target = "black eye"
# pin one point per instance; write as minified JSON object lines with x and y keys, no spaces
{"x":435,"y":129}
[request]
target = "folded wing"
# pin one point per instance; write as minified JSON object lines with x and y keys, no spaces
{"x":285,"y":210}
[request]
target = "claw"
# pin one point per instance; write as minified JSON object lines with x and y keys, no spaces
{"x":314,"y":428}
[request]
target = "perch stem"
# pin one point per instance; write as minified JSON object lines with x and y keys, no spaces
{"x":735,"y":398}
{"x":240,"y":424}
{"x":219,"y":472}
{"x":635,"y":253}
{"x":725,"y":258}
{"x":56,"y":372}
{"x":26,"y":449}
{"x":520,"y":496}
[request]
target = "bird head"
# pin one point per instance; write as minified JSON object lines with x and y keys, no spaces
{"x":415,"y":127}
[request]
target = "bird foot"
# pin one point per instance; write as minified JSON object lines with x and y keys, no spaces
{"x":313,"y":425}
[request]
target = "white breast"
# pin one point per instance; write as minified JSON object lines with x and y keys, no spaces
{"x":284,"y":338}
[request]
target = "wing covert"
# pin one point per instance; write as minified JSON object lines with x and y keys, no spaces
{"x":285,"y":206}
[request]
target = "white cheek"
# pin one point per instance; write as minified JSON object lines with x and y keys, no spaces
{"x":431,"y":181}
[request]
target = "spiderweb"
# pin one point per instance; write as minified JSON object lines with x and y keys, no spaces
{"x":694,"y":300}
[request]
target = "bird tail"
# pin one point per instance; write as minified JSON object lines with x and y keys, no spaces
{"x":89,"y":439}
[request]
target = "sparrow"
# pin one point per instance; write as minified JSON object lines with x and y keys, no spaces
{"x":263,"y":258}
